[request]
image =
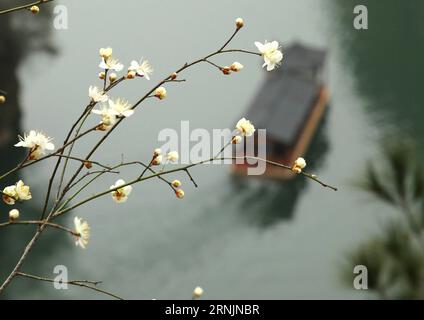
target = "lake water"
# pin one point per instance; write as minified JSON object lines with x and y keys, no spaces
{"x":236,"y":240}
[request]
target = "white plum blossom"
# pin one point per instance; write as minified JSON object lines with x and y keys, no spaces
{"x":83,"y":232}
{"x":271,"y":54}
{"x":17,"y":192}
{"x":108,"y":116}
{"x":143,"y":69}
{"x":245,"y":127}
{"x":37,"y":142}
{"x":172,"y":156}
{"x":97,"y":95}
{"x":106,"y":53}
{"x":121,"y":194}
{"x":121,"y":108}
{"x":23,"y":191}
{"x":9,"y":195}
{"x":111,"y":64}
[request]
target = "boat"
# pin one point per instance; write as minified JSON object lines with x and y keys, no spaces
{"x":290,"y":105}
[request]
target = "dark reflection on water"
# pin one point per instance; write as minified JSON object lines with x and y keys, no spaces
{"x":16,"y":41}
{"x":271,"y":202}
{"x":387,"y":61}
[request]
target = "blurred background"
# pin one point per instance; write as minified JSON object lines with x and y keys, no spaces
{"x":236,"y":239}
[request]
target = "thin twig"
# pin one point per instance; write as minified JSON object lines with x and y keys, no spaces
{"x":58,"y":151}
{"x":90,"y":173}
{"x":138,"y":180}
{"x":50,"y":185}
{"x":84,"y":161}
{"x":213,"y":64}
{"x":39,"y":223}
{"x":191,"y":178}
{"x":26,"y":6}
{"x":79,"y":283}
{"x":169,"y":77}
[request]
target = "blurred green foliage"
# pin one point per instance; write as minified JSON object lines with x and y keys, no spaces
{"x":394,"y":258}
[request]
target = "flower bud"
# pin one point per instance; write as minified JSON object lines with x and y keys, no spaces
{"x":173,"y":76}
{"x":2,"y":99}
{"x":102,"y":127}
{"x":113,"y":77}
{"x":239,"y":23}
{"x":176,"y":183}
{"x":236,"y":66}
{"x":157,"y":152}
{"x":102,"y":75}
{"x":13,"y":215}
{"x":88,"y":164}
{"x":157,"y":161}
{"x":236,"y":140}
{"x":226,"y":70}
{"x":180,"y":193}
{"x":297,"y":170}
{"x":160,"y":93}
{"x":198,"y":293}
{"x":298,"y":165}
{"x":131,"y":74}
{"x":35,"y":9}
{"x":300,"y":162}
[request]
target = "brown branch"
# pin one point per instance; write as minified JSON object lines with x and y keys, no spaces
{"x":79,"y":283}
{"x":191,"y":178}
{"x":26,"y":6}
{"x":84,"y":161}
{"x":158,"y":174}
{"x":148,"y":94}
{"x":39,"y":223}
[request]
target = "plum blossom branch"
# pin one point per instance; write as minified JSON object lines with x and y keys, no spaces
{"x":26,"y":7}
{"x":26,"y":163}
{"x":113,"y":115}
{"x":38,"y":223}
{"x":87,"y":164}
{"x":147,"y":95}
{"x":185,"y":168}
{"x":92,"y":285}
{"x":100,"y":173}
{"x":90,"y":173}
{"x":191,"y":178}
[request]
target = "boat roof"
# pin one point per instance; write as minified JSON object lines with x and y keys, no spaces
{"x":288,"y":94}
{"x":298,"y":55}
